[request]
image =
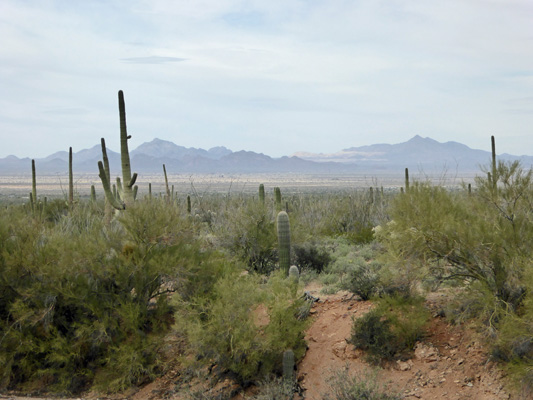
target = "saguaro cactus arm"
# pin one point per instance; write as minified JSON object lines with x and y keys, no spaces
{"x":107,"y":188}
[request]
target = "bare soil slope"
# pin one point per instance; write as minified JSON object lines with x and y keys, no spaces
{"x":449,"y":363}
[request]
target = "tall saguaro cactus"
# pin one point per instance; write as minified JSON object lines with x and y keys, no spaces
{"x":70,"y":180}
{"x":33,"y":181}
{"x":167,"y":189}
{"x":125,"y":187}
{"x":284,"y":241}
{"x":127,"y":178}
{"x":406,"y":180}
{"x":494,"y":165}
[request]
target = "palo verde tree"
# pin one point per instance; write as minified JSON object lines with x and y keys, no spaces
{"x":485,"y":236}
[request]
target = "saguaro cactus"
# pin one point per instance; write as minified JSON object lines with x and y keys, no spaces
{"x":277,"y":198}
{"x":294,"y":273}
{"x":105,"y":174}
{"x":33,"y":181}
{"x":262,"y":194}
{"x":288,"y":366}
{"x":494,"y":165}
{"x":284,"y":241}
{"x":166,"y":184}
{"x":127,"y":178}
{"x":406,"y":180}
{"x":124,"y":187}
{"x":70,"y":180}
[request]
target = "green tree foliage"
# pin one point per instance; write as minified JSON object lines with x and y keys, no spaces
{"x":481,"y":241}
{"x":249,"y":232}
{"x":245,"y":326}
{"x":485,"y":236}
{"x":82,"y":303}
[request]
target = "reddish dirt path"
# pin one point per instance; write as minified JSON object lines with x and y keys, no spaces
{"x":448,"y":364}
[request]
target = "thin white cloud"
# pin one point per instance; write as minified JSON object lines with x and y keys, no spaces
{"x":151,"y":60}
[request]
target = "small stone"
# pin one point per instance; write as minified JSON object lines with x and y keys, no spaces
{"x":403,"y":366}
{"x":339,"y":349}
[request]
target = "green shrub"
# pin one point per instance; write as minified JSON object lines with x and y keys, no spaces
{"x":483,"y":236}
{"x":373,"y":334}
{"x":364,"y":280}
{"x":275,"y":388}
{"x":480,"y":240}
{"x":343,"y":386}
{"x":351,"y":269}
{"x":250,"y":233}
{"x":246,"y":326}
{"x":310,"y":257}
{"x":391,"y":329}
{"x":83,"y":303}
{"x":513,"y":342}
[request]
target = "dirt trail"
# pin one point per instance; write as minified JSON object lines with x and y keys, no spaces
{"x":449,"y":363}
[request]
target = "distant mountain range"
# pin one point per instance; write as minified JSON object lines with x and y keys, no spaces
{"x":418,"y":153}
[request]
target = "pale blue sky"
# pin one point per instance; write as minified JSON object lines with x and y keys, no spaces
{"x":271,"y":76}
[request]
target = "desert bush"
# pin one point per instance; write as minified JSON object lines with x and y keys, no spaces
{"x":355,"y":215}
{"x":245,"y":326}
{"x":275,"y":388}
{"x":344,"y":386}
{"x":250,"y":233}
{"x":84,"y":303}
{"x":364,"y":280}
{"x":481,"y":240}
{"x":351,"y":268}
{"x":513,"y":342}
{"x":311,"y":257}
{"x":483,"y":236}
{"x":391,"y":329}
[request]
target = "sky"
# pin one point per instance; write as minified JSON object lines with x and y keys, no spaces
{"x":270,"y":76}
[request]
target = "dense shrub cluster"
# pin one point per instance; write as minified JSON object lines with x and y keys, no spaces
{"x":81,"y":302}
{"x":311,"y":257}
{"x":245,"y":326}
{"x":391,"y":329}
{"x":481,"y":242}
